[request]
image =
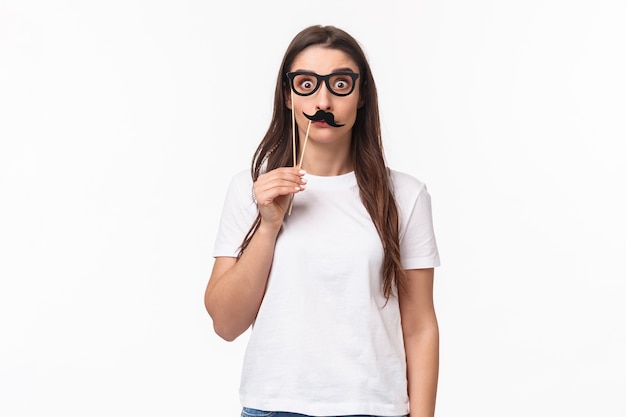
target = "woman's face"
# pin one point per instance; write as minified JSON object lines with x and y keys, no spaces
{"x":323,"y":61}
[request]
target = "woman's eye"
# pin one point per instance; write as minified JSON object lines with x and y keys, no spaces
{"x":341,"y":84}
{"x":307,"y":85}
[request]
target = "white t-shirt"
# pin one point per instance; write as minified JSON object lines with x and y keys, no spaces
{"x":326,"y":341}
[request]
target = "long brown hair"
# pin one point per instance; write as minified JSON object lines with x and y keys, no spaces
{"x":275,"y":150}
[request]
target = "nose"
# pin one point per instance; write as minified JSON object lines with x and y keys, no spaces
{"x":324,"y":98}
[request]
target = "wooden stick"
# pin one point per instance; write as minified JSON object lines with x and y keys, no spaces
{"x":293,"y":129}
{"x":293,"y":141}
{"x":306,"y":138}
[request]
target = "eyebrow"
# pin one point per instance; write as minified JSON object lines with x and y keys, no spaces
{"x":348,"y":69}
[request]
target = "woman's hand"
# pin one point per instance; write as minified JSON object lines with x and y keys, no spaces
{"x":273,"y":191}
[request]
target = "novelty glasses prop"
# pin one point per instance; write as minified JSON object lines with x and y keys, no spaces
{"x":305,"y":83}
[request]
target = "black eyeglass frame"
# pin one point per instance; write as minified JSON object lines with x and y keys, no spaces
{"x":326,"y":78}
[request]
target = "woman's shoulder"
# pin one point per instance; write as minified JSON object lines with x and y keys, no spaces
{"x":239,"y":186}
{"x":241,"y":177}
{"x":403,"y":182}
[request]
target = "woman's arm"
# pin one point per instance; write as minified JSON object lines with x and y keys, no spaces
{"x":421,"y":340}
{"x":236,"y":287}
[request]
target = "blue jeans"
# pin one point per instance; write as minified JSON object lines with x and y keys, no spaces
{"x":251,"y":412}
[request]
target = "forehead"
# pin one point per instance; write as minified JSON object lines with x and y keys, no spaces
{"x":322,"y":60}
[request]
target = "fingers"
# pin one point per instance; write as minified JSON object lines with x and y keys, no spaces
{"x":278,"y":182}
{"x":272,"y":191}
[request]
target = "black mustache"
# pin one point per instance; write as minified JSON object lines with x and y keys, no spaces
{"x":321,"y":115}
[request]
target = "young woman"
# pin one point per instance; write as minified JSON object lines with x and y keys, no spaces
{"x":327,"y":252}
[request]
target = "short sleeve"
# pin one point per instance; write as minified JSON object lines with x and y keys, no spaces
{"x":238,"y":213}
{"x":418,"y":245}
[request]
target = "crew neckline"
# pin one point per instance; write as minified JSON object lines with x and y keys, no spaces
{"x":348,"y":178}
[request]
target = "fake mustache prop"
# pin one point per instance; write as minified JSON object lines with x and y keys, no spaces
{"x":321,"y":115}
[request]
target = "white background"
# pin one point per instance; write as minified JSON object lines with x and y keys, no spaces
{"x":122,"y":121}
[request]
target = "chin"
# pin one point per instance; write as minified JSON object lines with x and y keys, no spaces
{"x":329,"y":138}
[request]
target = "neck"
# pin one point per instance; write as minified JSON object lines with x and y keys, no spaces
{"x":327,"y":160}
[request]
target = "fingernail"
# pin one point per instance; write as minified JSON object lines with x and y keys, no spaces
{"x":302,"y":172}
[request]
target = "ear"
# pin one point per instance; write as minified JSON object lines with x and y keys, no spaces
{"x":287,"y":96}
{"x":361,"y":102}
